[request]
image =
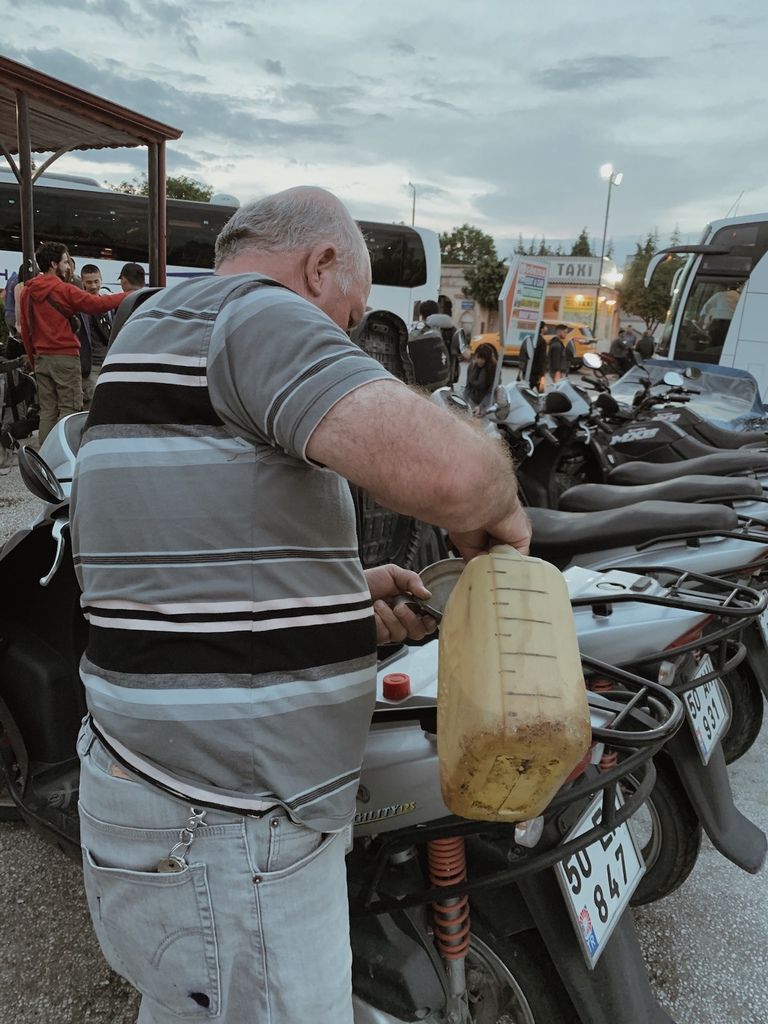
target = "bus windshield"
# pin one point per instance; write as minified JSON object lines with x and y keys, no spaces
{"x":707,"y":291}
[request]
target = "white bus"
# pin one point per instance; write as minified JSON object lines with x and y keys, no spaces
{"x":109,"y":229}
{"x":719,"y":306}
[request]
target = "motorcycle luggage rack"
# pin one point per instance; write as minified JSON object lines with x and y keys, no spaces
{"x":651,"y":714}
{"x":708,"y":603}
{"x":697,"y":600}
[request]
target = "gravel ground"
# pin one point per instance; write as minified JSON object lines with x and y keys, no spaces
{"x":704,"y":945}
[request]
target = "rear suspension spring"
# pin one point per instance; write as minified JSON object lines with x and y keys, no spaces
{"x":448,"y":866}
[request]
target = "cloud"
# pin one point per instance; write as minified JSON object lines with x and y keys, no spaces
{"x":241,"y":27}
{"x":211,"y":115}
{"x":591,"y":71}
{"x":433,"y":101}
{"x":397,"y":46}
{"x":274,"y":67}
{"x":146,"y":18}
{"x":324,"y":99}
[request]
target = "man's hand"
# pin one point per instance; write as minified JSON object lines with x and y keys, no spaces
{"x":514,"y":529}
{"x":393,"y":625}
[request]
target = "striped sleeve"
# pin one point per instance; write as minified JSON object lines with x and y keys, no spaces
{"x":277,"y":364}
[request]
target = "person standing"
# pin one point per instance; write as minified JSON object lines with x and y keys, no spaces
{"x":132,"y":277}
{"x":47,"y":305}
{"x":540,"y":361}
{"x":645,"y":345}
{"x":94,"y":336}
{"x":231,"y":661}
{"x":558,"y":357}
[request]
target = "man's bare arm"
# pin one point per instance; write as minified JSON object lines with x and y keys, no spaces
{"x":418,"y":459}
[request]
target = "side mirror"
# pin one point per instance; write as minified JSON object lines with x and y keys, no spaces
{"x":592,"y":360}
{"x":692,"y":373}
{"x":457,"y":400}
{"x":673,"y":379}
{"x":556,"y":402}
{"x":501,"y":402}
{"x":607,"y":404}
{"x":39,"y":478}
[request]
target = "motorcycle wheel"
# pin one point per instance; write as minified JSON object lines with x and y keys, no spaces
{"x":668,"y":833}
{"x":8,"y":809}
{"x":507,"y":982}
{"x":746,"y":701}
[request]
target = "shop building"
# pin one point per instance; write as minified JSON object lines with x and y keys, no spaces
{"x":574,"y":289}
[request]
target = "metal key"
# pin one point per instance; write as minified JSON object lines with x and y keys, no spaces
{"x":170,"y":864}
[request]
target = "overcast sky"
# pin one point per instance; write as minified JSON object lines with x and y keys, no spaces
{"x":500,"y":112}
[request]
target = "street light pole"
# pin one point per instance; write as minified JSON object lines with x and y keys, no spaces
{"x":412,"y":187}
{"x":613,"y":178}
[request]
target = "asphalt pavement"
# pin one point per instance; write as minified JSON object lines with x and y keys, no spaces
{"x":704,"y":945}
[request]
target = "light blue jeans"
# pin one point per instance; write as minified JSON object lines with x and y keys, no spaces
{"x":254,"y":930}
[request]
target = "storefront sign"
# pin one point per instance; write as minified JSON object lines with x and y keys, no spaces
{"x":521,"y":301}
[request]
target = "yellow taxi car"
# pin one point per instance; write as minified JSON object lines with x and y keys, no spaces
{"x":580,"y":334}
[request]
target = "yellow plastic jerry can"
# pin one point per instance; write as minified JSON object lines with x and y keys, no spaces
{"x":513,"y":719}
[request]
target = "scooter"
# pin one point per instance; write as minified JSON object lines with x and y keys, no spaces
{"x":531,"y":951}
{"x":664,"y":527}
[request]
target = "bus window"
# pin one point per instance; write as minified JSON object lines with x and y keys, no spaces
{"x":192,"y":231}
{"x":707,"y":316}
{"x":397,"y":255}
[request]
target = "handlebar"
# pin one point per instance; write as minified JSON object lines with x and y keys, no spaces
{"x":547,"y":434}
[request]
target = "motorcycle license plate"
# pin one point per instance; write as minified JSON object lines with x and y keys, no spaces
{"x":598,"y":881}
{"x":707,"y":711}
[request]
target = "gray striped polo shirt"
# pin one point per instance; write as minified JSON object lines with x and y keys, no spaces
{"x":232,"y":640}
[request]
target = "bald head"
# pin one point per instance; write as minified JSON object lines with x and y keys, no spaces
{"x":292,"y":222}
{"x":305,"y":239}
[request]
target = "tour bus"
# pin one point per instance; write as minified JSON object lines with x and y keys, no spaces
{"x":110,"y":228}
{"x":719,"y":307}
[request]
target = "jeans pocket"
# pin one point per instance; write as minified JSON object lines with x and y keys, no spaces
{"x":156,"y":930}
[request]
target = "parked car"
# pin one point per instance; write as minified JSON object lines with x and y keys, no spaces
{"x":580,"y":334}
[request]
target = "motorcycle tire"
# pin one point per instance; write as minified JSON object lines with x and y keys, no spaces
{"x":508,"y":981}
{"x":746,"y":706}
{"x":8,"y":809}
{"x":668,"y":833}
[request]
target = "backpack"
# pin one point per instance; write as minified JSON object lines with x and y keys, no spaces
{"x":429,"y":355}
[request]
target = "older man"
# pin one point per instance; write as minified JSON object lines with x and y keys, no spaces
{"x":231,"y":660}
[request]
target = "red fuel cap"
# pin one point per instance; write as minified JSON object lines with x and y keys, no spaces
{"x":397,"y":686}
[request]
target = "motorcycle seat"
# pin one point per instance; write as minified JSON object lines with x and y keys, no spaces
{"x":596,"y":497}
{"x":718,"y":464}
{"x":721,"y":437}
{"x":558,"y":536}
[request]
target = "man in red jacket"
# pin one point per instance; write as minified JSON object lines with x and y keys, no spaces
{"x":47,"y":306}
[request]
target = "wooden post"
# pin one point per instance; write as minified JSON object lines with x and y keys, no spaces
{"x":25,"y":181}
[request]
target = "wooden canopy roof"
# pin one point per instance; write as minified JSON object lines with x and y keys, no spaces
{"x":41,"y":114}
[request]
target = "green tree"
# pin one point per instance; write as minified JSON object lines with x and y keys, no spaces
{"x":650,"y":304}
{"x":176,"y":187}
{"x":466,"y":244}
{"x":484,"y":281}
{"x":582,"y":246}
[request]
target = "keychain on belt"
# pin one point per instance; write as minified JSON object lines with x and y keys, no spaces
{"x":175,"y":861}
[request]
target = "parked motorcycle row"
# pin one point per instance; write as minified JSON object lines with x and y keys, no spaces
{"x":467,"y":922}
